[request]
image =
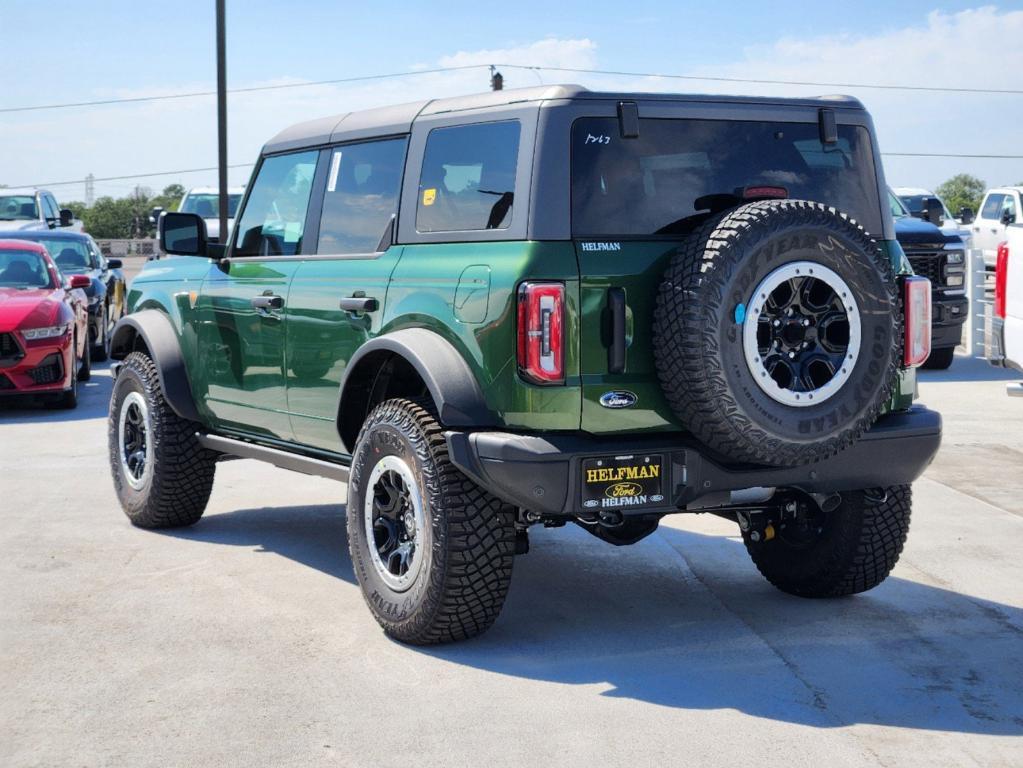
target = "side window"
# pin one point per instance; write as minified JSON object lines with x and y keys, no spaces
{"x":993,"y":207}
{"x":274,"y":216}
{"x":363,"y":184}
{"x":1010,"y":207}
{"x":49,"y":208}
{"x":468,"y":178}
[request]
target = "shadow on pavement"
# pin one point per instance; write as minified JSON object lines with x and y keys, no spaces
{"x":683,"y":620}
{"x":93,"y":402}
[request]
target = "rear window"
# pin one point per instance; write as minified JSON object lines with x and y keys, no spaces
{"x":679,"y":171}
{"x":468,"y":178}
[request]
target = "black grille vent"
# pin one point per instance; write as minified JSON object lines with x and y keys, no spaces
{"x":49,"y":371}
{"x":5,"y":383}
{"x":9,"y":349}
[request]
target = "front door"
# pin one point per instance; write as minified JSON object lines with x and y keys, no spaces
{"x":337,"y":298}
{"x":243,"y":300}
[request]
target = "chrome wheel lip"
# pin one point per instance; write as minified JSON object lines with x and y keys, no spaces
{"x":420,"y":538}
{"x":126,"y":449}
{"x":756,"y":307}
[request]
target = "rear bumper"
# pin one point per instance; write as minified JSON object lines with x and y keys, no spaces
{"x":544,"y":473}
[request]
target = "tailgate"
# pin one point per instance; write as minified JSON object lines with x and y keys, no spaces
{"x":618,"y":290}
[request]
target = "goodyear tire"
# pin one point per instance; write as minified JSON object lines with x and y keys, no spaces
{"x":162,"y":475}
{"x":777,"y":333}
{"x":851,"y":549}
{"x":432,"y":551}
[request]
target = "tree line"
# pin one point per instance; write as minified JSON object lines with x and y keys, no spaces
{"x":112,"y":218}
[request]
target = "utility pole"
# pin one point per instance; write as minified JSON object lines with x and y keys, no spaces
{"x":90,"y":190}
{"x":496,"y":79}
{"x":222,"y":120}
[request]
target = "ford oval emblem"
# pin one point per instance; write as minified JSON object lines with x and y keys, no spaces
{"x":618,"y":399}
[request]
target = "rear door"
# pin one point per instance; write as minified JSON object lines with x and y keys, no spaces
{"x":241,"y":306}
{"x":338,"y":293}
{"x":634,"y":200}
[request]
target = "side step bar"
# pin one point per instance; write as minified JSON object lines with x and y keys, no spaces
{"x":294,"y":461}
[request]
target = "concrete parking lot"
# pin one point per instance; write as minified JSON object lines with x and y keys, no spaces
{"x":244,"y":641}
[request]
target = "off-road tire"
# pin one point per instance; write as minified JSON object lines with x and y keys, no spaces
{"x":462,"y":584}
{"x":858,"y":546}
{"x":181,"y":474}
{"x":940,"y":359}
{"x":698,"y":344}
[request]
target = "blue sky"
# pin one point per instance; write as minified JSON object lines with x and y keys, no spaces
{"x":111,"y":49}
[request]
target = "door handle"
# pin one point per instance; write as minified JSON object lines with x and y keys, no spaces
{"x":267,"y":301}
{"x":616,"y":350}
{"x":359,"y":304}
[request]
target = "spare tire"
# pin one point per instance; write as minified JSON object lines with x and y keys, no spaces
{"x":777,"y":332}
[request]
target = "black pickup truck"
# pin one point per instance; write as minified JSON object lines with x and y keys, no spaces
{"x":941,"y":258}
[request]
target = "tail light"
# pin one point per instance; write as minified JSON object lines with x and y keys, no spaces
{"x":917,"y":302}
{"x":1001,"y":276}
{"x":541,"y":332}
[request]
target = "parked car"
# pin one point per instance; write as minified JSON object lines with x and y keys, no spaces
{"x":32,"y":209}
{"x":917,"y":201}
{"x":999,"y":209}
{"x":205,"y":202}
{"x":76,"y":253}
{"x":44,"y":333}
{"x":939,"y":256}
{"x":537,"y":307}
{"x":1007,"y":329}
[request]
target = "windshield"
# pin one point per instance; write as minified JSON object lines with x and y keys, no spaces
{"x":13,"y":207}
{"x":898,"y":208}
{"x":678,"y":172}
{"x":23,"y":269}
{"x":70,"y":256}
{"x":915,"y":204}
{"x":208,"y":206}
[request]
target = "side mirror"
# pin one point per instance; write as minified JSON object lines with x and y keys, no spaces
{"x":66,"y":217}
{"x":154,"y":215}
{"x":79,"y":281}
{"x":966,"y":214}
{"x":935,"y":211}
{"x":183,"y":234}
{"x":1008,"y":217}
{"x":114,"y":263}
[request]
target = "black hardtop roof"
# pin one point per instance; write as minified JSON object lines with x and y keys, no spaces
{"x":398,"y":119}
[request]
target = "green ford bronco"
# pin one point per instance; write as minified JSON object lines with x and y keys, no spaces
{"x":541,"y":306}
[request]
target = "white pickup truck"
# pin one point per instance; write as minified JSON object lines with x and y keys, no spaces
{"x":1008,"y":310}
{"x":999,"y":210}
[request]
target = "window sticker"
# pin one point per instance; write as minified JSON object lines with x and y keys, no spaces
{"x":335,"y":166}
{"x":429,"y":195}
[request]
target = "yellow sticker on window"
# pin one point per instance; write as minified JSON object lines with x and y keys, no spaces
{"x":429,"y":195}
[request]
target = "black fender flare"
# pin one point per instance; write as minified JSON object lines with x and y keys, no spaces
{"x":449,"y":380}
{"x":157,"y":333}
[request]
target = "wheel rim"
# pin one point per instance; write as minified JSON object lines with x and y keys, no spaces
{"x":801,"y":334}
{"x":395,"y":524}
{"x":134,"y":429}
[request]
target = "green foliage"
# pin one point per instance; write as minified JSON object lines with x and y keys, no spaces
{"x":126,"y":217}
{"x":962,"y":190}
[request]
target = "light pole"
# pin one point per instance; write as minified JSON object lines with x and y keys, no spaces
{"x":222,"y":121}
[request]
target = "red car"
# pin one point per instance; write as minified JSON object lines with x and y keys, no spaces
{"x":44,"y":332}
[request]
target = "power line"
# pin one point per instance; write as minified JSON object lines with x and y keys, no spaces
{"x":757,"y":81}
{"x":129,"y":176}
{"x":534,"y":68}
{"x":283,"y":86}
